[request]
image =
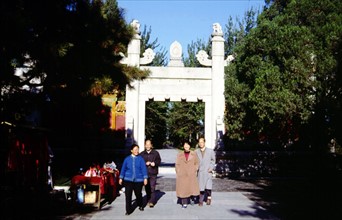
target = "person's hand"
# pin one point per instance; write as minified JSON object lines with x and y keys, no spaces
{"x":120,"y":181}
{"x":153,"y":164}
{"x":145,"y":182}
{"x":148,"y":163}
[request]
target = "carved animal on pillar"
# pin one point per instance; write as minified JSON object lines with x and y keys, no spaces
{"x":217,"y":29}
{"x":136,"y":26}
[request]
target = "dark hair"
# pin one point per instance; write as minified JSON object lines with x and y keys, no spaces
{"x":150,"y":140}
{"x":186,"y":142}
{"x":134,"y":145}
{"x":201,"y":138}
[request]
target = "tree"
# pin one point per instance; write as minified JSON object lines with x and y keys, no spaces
{"x":73,"y":48}
{"x":64,"y":43}
{"x":236,"y":92}
{"x":156,"y":122}
{"x":289,"y":66}
{"x":70,"y":42}
{"x":185,"y":121}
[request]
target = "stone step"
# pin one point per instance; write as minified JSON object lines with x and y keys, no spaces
{"x":167,"y":171}
{"x":165,"y":184}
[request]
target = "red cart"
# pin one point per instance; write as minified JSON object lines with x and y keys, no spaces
{"x":95,"y":191}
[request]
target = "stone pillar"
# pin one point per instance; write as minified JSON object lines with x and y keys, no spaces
{"x":218,"y":100}
{"x":141,"y":126}
{"x":132,"y":51}
{"x":132,"y":97}
{"x":207,"y":122}
{"x":132,"y":94}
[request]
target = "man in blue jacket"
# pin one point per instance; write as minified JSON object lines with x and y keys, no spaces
{"x":133,"y":176}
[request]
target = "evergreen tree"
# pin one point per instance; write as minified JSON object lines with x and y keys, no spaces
{"x":288,"y":67}
{"x":67,"y":43}
{"x":236,"y":92}
{"x":73,"y":47}
{"x":185,"y":122}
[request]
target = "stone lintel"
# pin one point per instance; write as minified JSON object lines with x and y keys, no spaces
{"x":179,"y":72}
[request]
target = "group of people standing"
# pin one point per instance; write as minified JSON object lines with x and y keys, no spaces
{"x":138,"y":170}
{"x":194,"y":170}
{"x":193,"y":175}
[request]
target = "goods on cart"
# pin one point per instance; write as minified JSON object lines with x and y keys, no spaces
{"x":96,"y":187}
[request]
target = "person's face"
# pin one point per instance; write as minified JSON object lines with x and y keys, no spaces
{"x":201,"y":143}
{"x":186,"y":147}
{"x":148,"y":145}
{"x":135,"y":151}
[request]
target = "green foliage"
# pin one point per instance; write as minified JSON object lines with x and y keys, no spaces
{"x":185,"y":121}
{"x":74,"y":47}
{"x":236,"y":92}
{"x":156,"y":122}
{"x":288,"y":67}
{"x":236,"y":101}
{"x":71,"y":42}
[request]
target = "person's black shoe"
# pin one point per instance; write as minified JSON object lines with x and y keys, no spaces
{"x":141,"y":208}
{"x":126,"y":213}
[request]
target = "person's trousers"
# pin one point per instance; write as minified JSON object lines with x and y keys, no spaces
{"x":129,"y":188}
{"x":150,"y":189}
{"x":206,"y":192}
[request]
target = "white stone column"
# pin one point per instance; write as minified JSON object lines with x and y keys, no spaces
{"x":141,"y":123}
{"x":207,"y":122}
{"x":132,"y":94}
{"x":218,"y":100}
{"x":133,"y":51}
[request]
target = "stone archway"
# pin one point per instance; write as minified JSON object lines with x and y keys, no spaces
{"x":178,"y":83}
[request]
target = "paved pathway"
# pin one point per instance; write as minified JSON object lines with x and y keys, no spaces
{"x":225,"y":205}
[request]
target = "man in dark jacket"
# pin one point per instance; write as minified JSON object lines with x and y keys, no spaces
{"x":152,"y":160}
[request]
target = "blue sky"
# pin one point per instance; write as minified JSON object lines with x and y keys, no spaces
{"x":184,"y":20}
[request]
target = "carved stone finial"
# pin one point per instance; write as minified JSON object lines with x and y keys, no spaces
{"x":217,"y":30}
{"x":229,"y":59}
{"x":202,"y":58}
{"x":176,"y":54}
{"x":124,"y":59}
{"x":176,"y":50}
{"x":148,"y":57}
{"x":136,"y":26}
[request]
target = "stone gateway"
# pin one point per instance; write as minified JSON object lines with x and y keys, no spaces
{"x":178,"y":83}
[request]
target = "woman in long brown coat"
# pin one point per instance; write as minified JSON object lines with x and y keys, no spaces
{"x":187,"y":164}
